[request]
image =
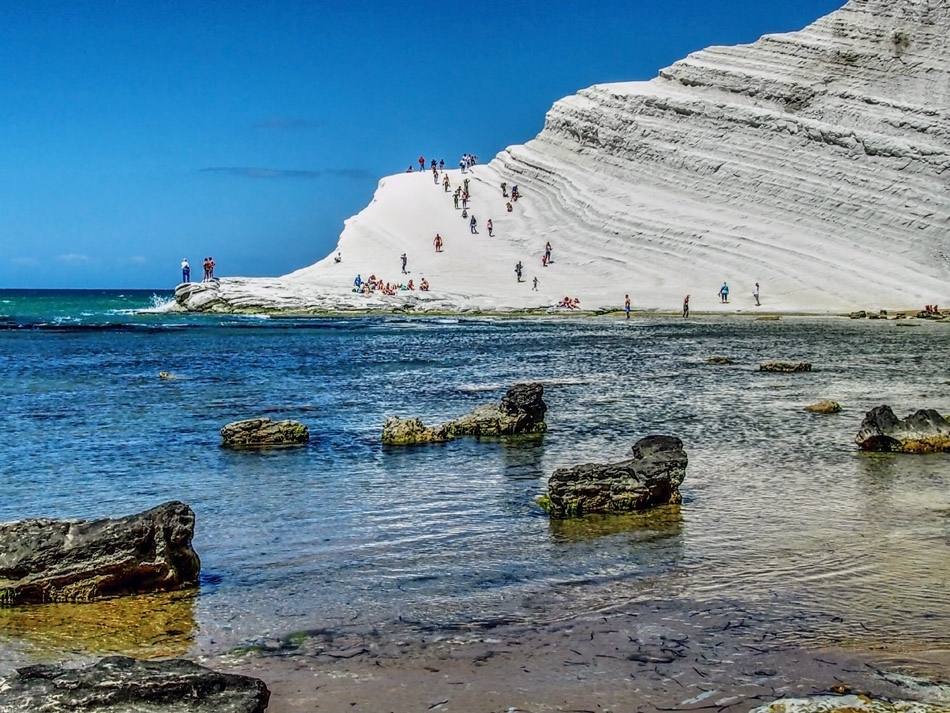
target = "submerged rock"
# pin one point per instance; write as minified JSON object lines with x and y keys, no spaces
{"x":118,"y":684}
{"x":719,"y":361}
{"x":521,"y":411}
{"x":81,"y":560}
{"x":925,"y":431}
{"x":264,"y":433}
{"x":785,"y":367}
{"x":824,"y":407}
{"x":652,"y":477}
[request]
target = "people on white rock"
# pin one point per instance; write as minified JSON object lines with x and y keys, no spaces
{"x":445,"y":182}
{"x":626,"y":305}
{"x":508,"y":206}
{"x":422,"y":163}
{"x":686,"y":306}
{"x":358,"y":282}
{"x":724,"y":293}
{"x":518,"y":270}
{"x":424,"y":285}
{"x":755,"y":293}
{"x":437,"y":241}
{"x":504,"y":189}
{"x":472,"y":225}
{"x":185,"y":270}
{"x":490,"y":227}
{"x":403,"y":259}
{"x":534,"y":283}
{"x":547,"y":251}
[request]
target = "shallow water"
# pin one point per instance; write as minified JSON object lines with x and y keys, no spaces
{"x":780,"y":511}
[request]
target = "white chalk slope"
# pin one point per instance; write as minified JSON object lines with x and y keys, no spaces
{"x":814,"y":163}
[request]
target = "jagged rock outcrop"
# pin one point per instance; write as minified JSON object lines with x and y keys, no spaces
{"x":118,"y":684}
{"x":652,"y":477}
{"x":82,"y":560}
{"x":264,"y":433}
{"x":520,"y":412}
{"x":785,"y":367}
{"x":813,"y":162}
{"x":925,"y":431}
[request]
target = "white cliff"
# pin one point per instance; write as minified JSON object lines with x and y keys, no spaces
{"x":814,"y":163}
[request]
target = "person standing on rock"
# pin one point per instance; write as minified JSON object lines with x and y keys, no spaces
{"x":445,"y":182}
{"x":626,"y":305}
{"x":422,"y":163}
{"x":490,"y":227}
{"x":404,"y":260}
{"x":686,"y":306}
{"x":185,"y":270}
{"x":518,"y":268}
{"x":441,"y":164}
{"x":534,"y":285}
{"x":471,"y":224}
{"x":438,"y":243}
{"x":755,"y":293}
{"x":724,"y":293}
{"x":547,"y":252}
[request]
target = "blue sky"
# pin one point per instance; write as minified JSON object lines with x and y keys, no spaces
{"x":133,"y":134}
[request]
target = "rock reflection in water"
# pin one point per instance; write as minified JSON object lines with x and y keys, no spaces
{"x":653,"y":525}
{"x":153,"y":626}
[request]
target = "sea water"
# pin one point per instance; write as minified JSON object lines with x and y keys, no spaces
{"x":780,"y":511}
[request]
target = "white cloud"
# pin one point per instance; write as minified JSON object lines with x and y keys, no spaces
{"x":73,"y":258}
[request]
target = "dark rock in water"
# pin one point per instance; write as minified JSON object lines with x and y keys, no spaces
{"x":521,"y":411}
{"x":118,"y":684}
{"x":82,"y":560}
{"x":264,"y":433}
{"x":925,"y":431}
{"x":785,"y":367}
{"x":652,"y":477}
{"x":720,"y":361}
{"x":861,"y":314}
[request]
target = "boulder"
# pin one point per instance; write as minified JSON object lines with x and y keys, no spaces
{"x":720,"y":361}
{"x":520,"y":412}
{"x":404,"y":431}
{"x":652,"y":477}
{"x":118,"y":684}
{"x":824,"y":407}
{"x":81,"y":560}
{"x":861,"y":314}
{"x":925,"y":431}
{"x":785,"y":367}
{"x":264,"y":433}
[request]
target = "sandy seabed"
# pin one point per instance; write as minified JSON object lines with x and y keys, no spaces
{"x":660,"y":656}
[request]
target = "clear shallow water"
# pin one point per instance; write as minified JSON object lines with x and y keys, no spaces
{"x":780,"y":512}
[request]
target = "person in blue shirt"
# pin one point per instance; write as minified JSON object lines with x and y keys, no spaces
{"x":724,"y":293}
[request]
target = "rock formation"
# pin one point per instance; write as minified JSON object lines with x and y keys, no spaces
{"x":521,"y":411}
{"x":81,"y":560}
{"x":652,"y":477}
{"x":925,"y":431}
{"x":118,"y":684}
{"x":785,"y":367}
{"x":824,"y":407}
{"x":814,"y":162}
{"x":264,"y":433}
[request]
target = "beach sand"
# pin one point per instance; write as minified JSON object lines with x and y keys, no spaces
{"x":652,"y":656}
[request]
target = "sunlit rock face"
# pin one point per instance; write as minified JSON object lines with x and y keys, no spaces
{"x":813,"y":163}
{"x":817,"y":159}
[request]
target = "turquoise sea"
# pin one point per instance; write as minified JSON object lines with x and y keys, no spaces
{"x":780,"y":511}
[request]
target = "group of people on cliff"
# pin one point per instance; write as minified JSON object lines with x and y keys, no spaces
{"x":374,"y":284}
{"x":207,"y":264}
